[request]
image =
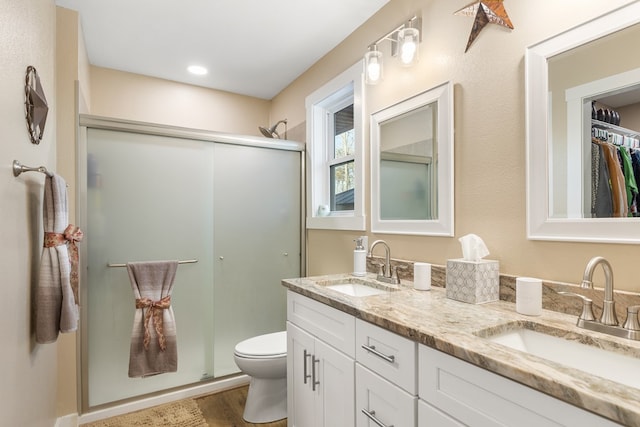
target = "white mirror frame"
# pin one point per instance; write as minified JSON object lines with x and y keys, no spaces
{"x":443,"y":225}
{"x":538,"y":130}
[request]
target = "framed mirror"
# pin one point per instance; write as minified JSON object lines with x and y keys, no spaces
{"x":583,"y":117}
{"x":412,"y":165}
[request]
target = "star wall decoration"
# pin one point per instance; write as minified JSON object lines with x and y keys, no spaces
{"x":485,"y":12}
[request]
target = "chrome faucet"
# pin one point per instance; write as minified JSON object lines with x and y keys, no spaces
{"x":385,"y":273}
{"x":608,"y":322}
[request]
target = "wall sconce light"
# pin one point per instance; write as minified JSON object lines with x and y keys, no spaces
{"x":408,"y":39}
{"x":373,"y":65}
{"x":404,"y":43}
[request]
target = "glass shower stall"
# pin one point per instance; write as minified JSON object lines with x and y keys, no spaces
{"x":230,"y":206}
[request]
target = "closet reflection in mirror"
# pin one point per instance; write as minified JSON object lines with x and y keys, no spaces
{"x":412,"y":165}
{"x":595,"y":117}
{"x":565,"y":74}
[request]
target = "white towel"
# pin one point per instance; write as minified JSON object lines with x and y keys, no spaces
{"x":153,"y":338}
{"x":56,"y":307}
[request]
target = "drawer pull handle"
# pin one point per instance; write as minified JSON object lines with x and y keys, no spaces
{"x":306,"y":376}
{"x":372,"y":416}
{"x":372,"y":349}
{"x":314,"y":383}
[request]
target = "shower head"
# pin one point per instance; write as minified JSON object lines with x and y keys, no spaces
{"x":271,"y":132}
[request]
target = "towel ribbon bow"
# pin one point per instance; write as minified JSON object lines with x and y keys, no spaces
{"x":71,"y":235}
{"x":154,"y":311}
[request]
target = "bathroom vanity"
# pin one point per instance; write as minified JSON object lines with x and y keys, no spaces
{"x":414,"y":358}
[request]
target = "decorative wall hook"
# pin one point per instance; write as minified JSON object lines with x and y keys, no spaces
{"x":36,"y":108}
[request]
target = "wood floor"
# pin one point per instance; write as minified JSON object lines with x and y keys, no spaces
{"x":225,"y":409}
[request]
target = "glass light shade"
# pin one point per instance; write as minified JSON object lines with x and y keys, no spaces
{"x":373,"y":67}
{"x":408,"y":39}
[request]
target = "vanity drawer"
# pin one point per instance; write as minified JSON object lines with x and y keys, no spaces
{"x":388,"y":354}
{"x":387,"y":403}
{"x":478,"y":397}
{"x":332,"y":326}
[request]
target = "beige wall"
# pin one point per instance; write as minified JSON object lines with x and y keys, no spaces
{"x":28,"y":384}
{"x":135,"y":97}
{"x":489,"y":133}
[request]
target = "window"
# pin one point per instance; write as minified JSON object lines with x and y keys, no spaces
{"x":335,"y":150}
{"x":342,"y":162}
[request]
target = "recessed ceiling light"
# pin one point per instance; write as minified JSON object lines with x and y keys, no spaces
{"x":197,"y":70}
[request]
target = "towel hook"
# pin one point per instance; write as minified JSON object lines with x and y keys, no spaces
{"x":18,"y":168}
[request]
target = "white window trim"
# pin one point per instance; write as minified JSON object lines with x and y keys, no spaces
{"x":317,"y":105}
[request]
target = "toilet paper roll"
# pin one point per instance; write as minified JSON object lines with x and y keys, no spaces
{"x":422,"y":276}
{"x":529,"y":296}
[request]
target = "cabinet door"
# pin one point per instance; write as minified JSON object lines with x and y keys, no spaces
{"x":300,"y":397}
{"x":334,"y":373}
{"x":381,"y":403}
{"x":428,"y":416}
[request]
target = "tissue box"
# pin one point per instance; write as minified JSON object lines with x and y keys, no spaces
{"x":474,"y":282}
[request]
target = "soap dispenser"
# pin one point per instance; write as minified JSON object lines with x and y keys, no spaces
{"x":360,"y":257}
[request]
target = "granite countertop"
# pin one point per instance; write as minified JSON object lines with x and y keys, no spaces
{"x":456,"y":328}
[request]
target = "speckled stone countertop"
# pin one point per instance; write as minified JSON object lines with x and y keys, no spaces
{"x":456,"y":328}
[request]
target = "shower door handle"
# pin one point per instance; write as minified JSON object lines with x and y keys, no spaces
{"x":314,"y":383}
{"x":305,"y":375}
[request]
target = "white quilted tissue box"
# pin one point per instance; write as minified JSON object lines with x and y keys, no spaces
{"x":475,"y":282}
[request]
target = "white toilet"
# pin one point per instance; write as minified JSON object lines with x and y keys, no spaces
{"x":264,"y":359}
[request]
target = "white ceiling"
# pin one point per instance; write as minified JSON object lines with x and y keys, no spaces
{"x":250,"y":47}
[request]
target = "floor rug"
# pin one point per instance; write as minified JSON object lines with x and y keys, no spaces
{"x":184,"y":413}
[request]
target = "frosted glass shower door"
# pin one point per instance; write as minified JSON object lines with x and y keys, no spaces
{"x":148,"y":198}
{"x":257,"y":239}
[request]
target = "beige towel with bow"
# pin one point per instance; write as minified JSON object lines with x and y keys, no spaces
{"x":56,"y":296}
{"x":154,"y":348}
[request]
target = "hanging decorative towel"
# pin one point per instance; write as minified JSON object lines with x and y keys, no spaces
{"x":57,"y":290}
{"x":153,"y":338}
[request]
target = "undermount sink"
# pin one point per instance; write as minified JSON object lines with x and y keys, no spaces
{"x":603,"y":359}
{"x":357,"y":287}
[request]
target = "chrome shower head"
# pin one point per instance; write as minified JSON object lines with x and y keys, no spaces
{"x":268,"y":132}
{"x":271,"y":132}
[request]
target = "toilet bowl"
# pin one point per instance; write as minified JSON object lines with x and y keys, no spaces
{"x":264,"y":359}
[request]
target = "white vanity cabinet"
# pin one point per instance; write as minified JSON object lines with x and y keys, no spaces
{"x":386,"y":378}
{"x":455,"y":393}
{"x":320,"y":364}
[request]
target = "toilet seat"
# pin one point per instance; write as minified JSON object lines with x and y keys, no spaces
{"x":267,"y":346}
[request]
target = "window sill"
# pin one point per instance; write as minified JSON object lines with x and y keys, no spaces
{"x":357,"y":223}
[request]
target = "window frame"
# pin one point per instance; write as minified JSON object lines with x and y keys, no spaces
{"x":320,"y":105}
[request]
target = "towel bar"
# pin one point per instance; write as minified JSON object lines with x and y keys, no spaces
{"x":18,"y":168}
{"x":186,"y":261}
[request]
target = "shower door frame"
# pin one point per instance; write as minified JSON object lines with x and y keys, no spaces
{"x":86,"y":122}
